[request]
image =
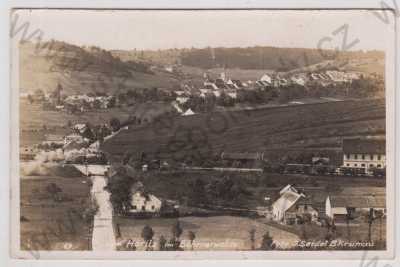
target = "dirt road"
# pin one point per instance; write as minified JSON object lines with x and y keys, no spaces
{"x":103,"y":238}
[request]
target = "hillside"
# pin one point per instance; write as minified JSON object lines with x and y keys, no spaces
{"x":270,"y":130}
{"x":83,"y":70}
{"x":258,"y":58}
{"x":367,"y":65}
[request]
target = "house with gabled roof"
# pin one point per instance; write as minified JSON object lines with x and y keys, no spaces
{"x":143,"y":202}
{"x":292,"y":205}
{"x":352,"y":201}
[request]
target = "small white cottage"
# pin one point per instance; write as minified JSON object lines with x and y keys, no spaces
{"x":143,"y":202}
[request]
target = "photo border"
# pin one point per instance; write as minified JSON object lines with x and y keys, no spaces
{"x":391,"y":123}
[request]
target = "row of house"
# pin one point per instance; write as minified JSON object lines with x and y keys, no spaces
{"x":84,"y":102}
{"x":228,"y":86}
{"x":323,"y":77}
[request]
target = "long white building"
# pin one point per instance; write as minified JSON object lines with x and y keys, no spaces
{"x":364,"y":153}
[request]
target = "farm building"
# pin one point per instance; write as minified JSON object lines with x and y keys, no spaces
{"x":292,"y":205}
{"x":364,"y":153}
{"x":143,"y":202}
{"x":351,"y":202}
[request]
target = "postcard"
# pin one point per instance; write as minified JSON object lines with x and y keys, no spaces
{"x":193,"y":134}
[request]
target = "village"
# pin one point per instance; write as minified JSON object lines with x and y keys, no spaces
{"x":308,"y":205}
{"x":240,"y":134}
{"x":222,"y":90}
{"x":176,"y":150}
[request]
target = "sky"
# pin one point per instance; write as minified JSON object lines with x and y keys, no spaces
{"x":149,"y":29}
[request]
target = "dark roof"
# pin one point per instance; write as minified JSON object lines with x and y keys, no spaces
{"x":364,"y":191}
{"x":360,"y":197}
{"x":364,"y":146}
{"x":358,"y":201}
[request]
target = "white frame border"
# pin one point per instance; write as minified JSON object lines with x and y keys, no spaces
{"x":5,"y":104}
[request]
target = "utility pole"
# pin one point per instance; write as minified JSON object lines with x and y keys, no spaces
{"x":370,"y":220}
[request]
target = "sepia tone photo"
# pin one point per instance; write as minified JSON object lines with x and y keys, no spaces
{"x":254,"y":131}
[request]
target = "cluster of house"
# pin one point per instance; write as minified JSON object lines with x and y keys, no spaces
{"x":229,"y":87}
{"x":323,"y":78}
{"x":80,"y":148}
{"x":84,"y":102}
{"x":345,"y":206}
{"x":77,"y":146}
{"x":73,"y":103}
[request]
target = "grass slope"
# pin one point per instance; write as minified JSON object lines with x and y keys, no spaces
{"x":82,"y":70}
{"x":271,"y":130}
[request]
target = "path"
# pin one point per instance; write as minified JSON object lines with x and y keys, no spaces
{"x":103,"y":238}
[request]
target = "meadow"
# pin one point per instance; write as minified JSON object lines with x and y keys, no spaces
{"x":212,"y":233}
{"x":55,"y":223}
{"x":317,"y":128}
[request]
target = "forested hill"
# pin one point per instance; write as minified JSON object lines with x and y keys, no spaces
{"x":274,"y":58}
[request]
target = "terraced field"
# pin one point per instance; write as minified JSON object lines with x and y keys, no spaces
{"x":274,"y":131}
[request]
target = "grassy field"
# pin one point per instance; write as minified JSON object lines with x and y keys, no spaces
{"x":275,"y":131}
{"x":49,"y":224}
{"x":212,"y":233}
{"x":177,"y":185}
{"x":82,"y":71}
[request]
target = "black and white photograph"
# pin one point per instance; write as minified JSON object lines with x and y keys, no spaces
{"x":185,"y":131}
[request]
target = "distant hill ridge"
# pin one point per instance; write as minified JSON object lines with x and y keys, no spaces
{"x":258,"y":57}
{"x":92,"y":69}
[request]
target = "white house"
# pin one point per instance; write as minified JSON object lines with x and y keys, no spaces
{"x":292,"y":204}
{"x":144,"y":202}
{"x":364,"y":153}
{"x":266,"y":78}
